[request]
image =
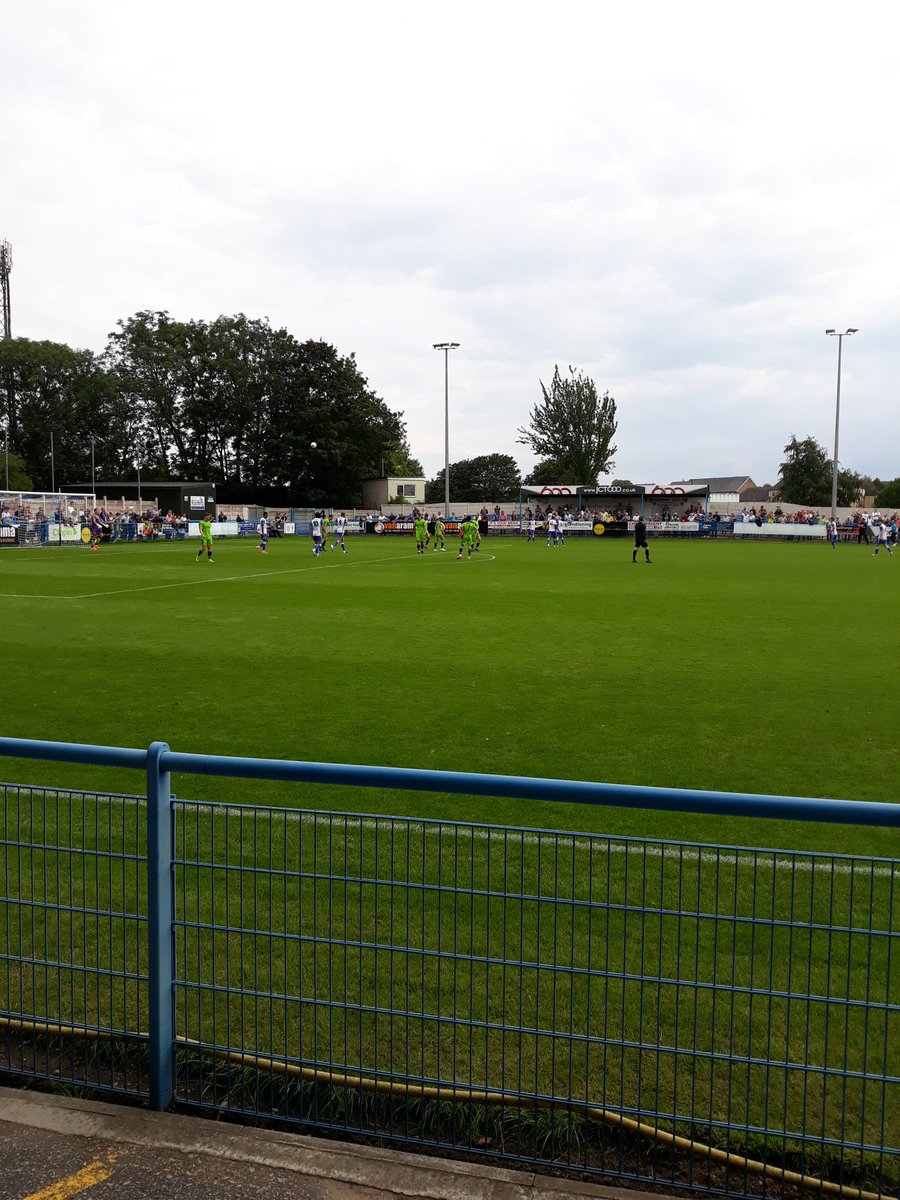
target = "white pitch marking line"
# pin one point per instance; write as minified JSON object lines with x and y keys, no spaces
{"x":599,"y":844}
{"x":157,"y":587}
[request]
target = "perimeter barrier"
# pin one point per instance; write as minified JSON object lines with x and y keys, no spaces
{"x":721,"y":1019}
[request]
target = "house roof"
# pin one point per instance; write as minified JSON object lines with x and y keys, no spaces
{"x":724,"y":483}
{"x":763,"y":493}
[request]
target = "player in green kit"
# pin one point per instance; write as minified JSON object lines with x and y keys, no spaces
{"x":467,"y":533}
{"x":205,"y":536}
{"x":421,"y":534}
{"x":439,"y":535}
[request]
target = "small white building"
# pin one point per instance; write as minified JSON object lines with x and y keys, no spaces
{"x":723,"y":489}
{"x":393,"y":489}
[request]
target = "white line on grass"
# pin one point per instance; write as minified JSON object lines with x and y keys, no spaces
{"x":780,"y":860}
{"x":598,"y":844}
{"x":158,"y":587}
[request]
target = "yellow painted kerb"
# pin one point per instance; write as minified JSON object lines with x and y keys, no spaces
{"x":95,"y":1172}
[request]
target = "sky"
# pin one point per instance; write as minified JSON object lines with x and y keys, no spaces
{"x":676,"y":199}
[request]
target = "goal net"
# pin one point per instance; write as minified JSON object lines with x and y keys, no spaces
{"x":44,"y":518}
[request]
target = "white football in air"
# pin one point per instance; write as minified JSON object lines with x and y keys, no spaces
{"x":312,"y":445}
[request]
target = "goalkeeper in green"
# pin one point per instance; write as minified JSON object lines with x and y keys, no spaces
{"x":421,"y":534}
{"x":205,"y":536}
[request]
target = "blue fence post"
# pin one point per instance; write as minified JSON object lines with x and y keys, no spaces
{"x":160,"y":917}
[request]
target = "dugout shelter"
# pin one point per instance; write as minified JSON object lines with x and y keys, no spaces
{"x":643,"y":499}
{"x":189,"y":498}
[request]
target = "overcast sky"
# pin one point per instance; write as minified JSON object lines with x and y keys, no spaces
{"x":678,"y":199}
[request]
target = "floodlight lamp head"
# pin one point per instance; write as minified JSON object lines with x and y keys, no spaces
{"x":6,"y":257}
{"x":831,"y":331}
{"x":853,"y":331}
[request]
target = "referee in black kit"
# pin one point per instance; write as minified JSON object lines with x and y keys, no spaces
{"x":640,"y":540}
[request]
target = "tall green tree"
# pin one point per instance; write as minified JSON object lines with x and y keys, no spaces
{"x":888,"y":495}
{"x":486,"y":477}
{"x":318,"y":395}
{"x":51,"y":388}
{"x":12,"y":468}
{"x":849,"y":489}
{"x":805,"y":476}
{"x":548,"y":471}
{"x":401,"y":463}
{"x":151,"y":357}
{"x":240,"y":403}
{"x":573,"y":426}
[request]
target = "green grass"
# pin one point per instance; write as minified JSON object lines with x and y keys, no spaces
{"x":725,"y":666}
{"x":734,"y":667}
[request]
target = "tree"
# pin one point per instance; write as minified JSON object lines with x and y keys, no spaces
{"x":849,"y":488}
{"x":19,"y":481}
{"x":487,"y":477}
{"x":888,"y":495}
{"x":805,"y":475}
{"x":547,"y":471}
{"x":401,"y":463}
{"x":573,"y":427}
{"x":240,"y":403}
{"x":51,"y":388}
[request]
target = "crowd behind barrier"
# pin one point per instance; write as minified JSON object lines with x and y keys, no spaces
{"x":128,"y":524}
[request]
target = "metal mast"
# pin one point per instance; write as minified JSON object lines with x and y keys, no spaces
{"x":5,"y":268}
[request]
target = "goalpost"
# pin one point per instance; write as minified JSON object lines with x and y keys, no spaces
{"x":45,"y":518}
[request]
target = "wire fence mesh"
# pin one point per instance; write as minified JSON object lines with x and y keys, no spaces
{"x":590,"y":1002}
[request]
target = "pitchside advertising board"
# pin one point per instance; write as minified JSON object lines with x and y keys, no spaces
{"x":31,"y":533}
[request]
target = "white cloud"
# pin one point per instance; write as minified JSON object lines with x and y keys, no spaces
{"x":676,"y":199}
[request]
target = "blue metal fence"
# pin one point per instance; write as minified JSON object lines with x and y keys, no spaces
{"x":723,"y":1019}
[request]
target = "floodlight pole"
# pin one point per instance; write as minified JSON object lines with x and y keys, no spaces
{"x":446,"y":347}
{"x":93,"y":471}
{"x":837,"y":417}
{"x":6,"y":454}
{"x":52,"y":465}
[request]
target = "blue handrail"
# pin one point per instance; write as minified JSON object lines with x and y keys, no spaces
{"x":740,"y":804}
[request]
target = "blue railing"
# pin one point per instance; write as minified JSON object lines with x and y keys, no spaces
{"x":632,"y":1008}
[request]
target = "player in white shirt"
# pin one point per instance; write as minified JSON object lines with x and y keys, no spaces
{"x":552,"y":529}
{"x":315,"y":529}
{"x":882,"y":534}
{"x":532,"y":530}
{"x":340,"y":528}
{"x":263,"y":530}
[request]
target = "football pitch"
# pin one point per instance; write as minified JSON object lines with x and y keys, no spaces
{"x":768,"y":668}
